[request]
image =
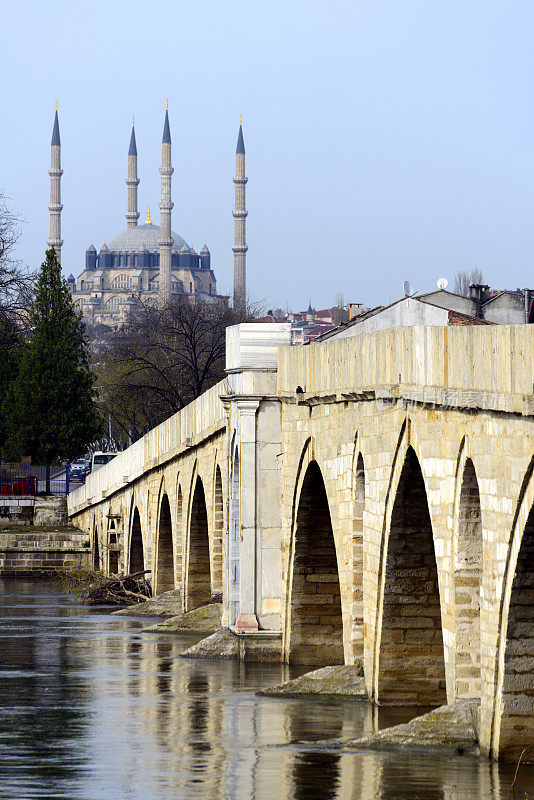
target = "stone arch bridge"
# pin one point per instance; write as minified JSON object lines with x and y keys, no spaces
{"x":371,"y":498}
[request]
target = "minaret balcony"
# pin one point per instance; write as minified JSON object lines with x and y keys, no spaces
{"x":55,"y":207}
{"x":240,"y":213}
{"x":240,"y":248}
{"x":55,"y":173}
{"x":240,"y":181}
{"x":166,"y":242}
{"x":133,"y":182}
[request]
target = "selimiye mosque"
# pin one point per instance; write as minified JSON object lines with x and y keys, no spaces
{"x":147,"y":261}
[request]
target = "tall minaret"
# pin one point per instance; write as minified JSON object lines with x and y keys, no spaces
{"x":132,"y":181}
{"x":165,"y":243}
{"x":55,"y":206}
{"x":240,"y":214}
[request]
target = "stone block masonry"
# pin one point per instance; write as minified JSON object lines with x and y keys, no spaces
{"x":41,"y":553}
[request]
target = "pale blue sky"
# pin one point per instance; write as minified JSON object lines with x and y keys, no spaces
{"x":386,"y":139}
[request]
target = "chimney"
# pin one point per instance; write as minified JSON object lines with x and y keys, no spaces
{"x":355,"y":309}
{"x":526,"y":295}
{"x":479,"y":292}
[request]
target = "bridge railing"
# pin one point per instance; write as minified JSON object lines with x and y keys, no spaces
{"x":200,"y":418}
{"x":494,"y":359}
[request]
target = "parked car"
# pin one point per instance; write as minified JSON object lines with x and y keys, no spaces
{"x":99,"y":459}
{"x":79,"y":469}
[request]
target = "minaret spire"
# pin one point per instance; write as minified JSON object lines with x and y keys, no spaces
{"x":166,"y":241}
{"x":132,"y":181}
{"x":55,"y":207}
{"x":240,"y":214}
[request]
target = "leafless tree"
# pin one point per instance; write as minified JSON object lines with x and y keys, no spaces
{"x":341,"y":313}
{"x":161,"y":361}
{"x":16,"y":283}
{"x":464,"y":279}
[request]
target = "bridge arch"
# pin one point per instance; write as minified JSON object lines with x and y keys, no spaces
{"x":96,"y":548}
{"x":358,"y":493}
{"x":513,"y":706}
{"x":136,"y":555}
{"x":314,"y":619}
{"x":217,"y":532}
{"x":409,"y":663}
{"x":179,"y":534}
{"x":233,"y":549}
{"x":164,"y":579}
{"x":467,"y":554}
{"x":198,"y":588}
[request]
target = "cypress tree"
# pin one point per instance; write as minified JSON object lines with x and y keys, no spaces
{"x":10,"y":350}
{"x":51,"y":412}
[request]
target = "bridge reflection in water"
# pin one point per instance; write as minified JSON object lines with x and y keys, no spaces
{"x":92,"y":708}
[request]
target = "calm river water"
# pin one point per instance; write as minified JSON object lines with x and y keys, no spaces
{"x":92,"y":708}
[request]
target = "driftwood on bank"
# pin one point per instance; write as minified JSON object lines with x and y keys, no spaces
{"x":95,"y":588}
{"x":119,"y":590}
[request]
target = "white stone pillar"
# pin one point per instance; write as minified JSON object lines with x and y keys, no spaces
{"x":255,"y":432}
{"x":247,"y":618}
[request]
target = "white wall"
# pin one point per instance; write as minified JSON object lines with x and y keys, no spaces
{"x":451,"y":301}
{"x":405,"y":313}
{"x":254,"y":345}
{"x":507,"y":309}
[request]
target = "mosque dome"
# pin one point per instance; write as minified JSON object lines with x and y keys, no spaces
{"x":142,"y":237}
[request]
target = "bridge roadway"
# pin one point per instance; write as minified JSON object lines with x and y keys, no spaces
{"x":371,"y":497}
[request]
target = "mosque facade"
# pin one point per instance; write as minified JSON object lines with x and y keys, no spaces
{"x":148,"y":261}
{"x":127,"y":269}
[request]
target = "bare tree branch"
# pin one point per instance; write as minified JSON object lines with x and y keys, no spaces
{"x":16,"y":283}
{"x":164,"y":359}
{"x":464,"y":279}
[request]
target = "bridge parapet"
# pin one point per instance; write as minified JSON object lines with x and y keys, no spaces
{"x":189,"y":426}
{"x":479,"y":367}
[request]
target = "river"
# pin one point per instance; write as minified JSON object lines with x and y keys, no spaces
{"x":92,"y":708}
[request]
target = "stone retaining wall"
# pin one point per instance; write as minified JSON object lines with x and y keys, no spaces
{"x":38,"y":553}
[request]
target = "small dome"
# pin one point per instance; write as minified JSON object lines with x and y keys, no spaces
{"x":71,"y":278}
{"x":91,"y":249}
{"x":104,"y":248}
{"x":184,"y":249}
{"x":205,"y":251}
{"x":131,"y":240}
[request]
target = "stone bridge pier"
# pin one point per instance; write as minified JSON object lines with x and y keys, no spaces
{"x":371,"y":499}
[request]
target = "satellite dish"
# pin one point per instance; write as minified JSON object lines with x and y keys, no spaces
{"x":408,"y":288}
{"x":442,"y":283}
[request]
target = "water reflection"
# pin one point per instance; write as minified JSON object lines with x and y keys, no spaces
{"x":91,"y":708}
{"x":316,"y":776}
